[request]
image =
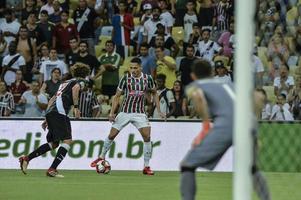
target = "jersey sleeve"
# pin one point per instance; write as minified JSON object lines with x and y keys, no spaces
{"x":122,"y":84}
{"x":150,"y":82}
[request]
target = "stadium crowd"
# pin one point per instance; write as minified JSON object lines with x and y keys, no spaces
{"x":41,"y":39}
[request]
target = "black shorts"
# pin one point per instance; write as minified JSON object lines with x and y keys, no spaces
{"x":59,"y":127}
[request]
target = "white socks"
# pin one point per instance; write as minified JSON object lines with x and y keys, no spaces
{"x":147,"y":151}
{"x":106,"y":147}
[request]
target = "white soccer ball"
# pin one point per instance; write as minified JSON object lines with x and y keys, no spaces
{"x":103,"y":167}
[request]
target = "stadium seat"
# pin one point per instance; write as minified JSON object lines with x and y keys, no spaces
{"x":136,"y":21}
{"x":106,"y":30}
{"x":177,"y":33}
{"x":98,"y":50}
{"x":270,"y":93}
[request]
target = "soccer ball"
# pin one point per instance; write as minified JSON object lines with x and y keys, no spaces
{"x":103,"y":167}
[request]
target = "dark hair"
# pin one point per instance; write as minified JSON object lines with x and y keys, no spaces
{"x":161,"y":77}
{"x":206,"y":29}
{"x":45,"y":12}
{"x":262,"y":91}
{"x":136,"y":60}
{"x":286,"y":65}
{"x":190,"y":46}
{"x":65,"y":11}
{"x":181,"y":85}
{"x":73,"y":38}
{"x":8,"y":11}
{"x":283,"y":95}
{"x":201,"y":68}
{"x":23,"y":27}
{"x":159,"y":47}
{"x":56,"y":68}
{"x":83,"y":42}
{"x":80,"y":70}
{"x":144,"y":44}
{"x":110,"y":42}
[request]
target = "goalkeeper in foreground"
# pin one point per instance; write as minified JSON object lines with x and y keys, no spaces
{"x":213,"y":99}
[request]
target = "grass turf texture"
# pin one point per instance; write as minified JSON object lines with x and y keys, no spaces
{"x":124,"y":185}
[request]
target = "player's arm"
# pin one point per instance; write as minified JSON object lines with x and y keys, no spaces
{"x":75,"y":97}
{"x":201,"y":107}
{"x":115,"y":102}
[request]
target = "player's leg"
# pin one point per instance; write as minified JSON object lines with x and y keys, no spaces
{"x":61,"y":129}
{"x":60,"y":155}
{"x":140,"y":121}
{"x":206,"y":155}
{"x":121,"y":121}
{"x":51,"y":144}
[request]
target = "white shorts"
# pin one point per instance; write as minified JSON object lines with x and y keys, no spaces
{"x":139,"y":120}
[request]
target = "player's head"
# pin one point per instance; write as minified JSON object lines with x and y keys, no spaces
{"x":201,"y":69}
{"x":80,"y":70}
{"x":160,"y":80}
{"x":135,"y":67}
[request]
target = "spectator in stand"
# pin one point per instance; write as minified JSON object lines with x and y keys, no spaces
{"x":17,"y":89}
{"x":48,"y":7}
{"x":224,"y":41}
{"x":7,"y":104}
{"x":159,"y":42}
{"x":10,"y":26}
{"x":55,"y":17}
{"x":123,"y":24}
{"x":32,"y":27}
{"x":132,"y":7}
{"x":277,"y":54}
{"x":45,"y":29}
{"x":50,"y":87}
{"x":258,"y":69}
{"x":73,"y":53}
{"x":109,"y":69}
{"x":166,"y":65}
{"x":88,"y":103}
{"x":3,"y":45}
{"x":148,"y":63}
{"x":222,"y":16}
{"x":206,"y":13}
{"x":151,"y":24}
{"x":267,"y":108}
{"x":62,"y":34}
{"x":30,"y":7}
{"x":221,"y":72}
{"x":178,"y":9}
{"x":208,"y":49}
{"x":281,"y":111}
{"x":166,"y":17}
{"x":166,"y":98}
{"x":195,"y":37}
{"x":84,"y":18}
{"x":11,"y":63}
{"x":284,"y":83}
{"x":180,"y":100}
{"x":26,"y":46}
{"x":34,"y":101}
{"x":294,"y":99}
{"x":185,"y":64}
{"x":43,"y":55}
{"x":84,"y":57}
{"x":169,"y":42}
{"x":48,"y":65}
{"x":190,"y":18}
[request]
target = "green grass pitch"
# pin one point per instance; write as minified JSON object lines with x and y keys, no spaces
{"x":131,"y":185}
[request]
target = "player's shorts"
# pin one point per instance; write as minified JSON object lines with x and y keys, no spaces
{"x":139,"y":120}
{"x":59,"y":127}
{"x":209,"y":151}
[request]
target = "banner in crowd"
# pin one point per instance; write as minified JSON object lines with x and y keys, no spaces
{"x":171,"y":141}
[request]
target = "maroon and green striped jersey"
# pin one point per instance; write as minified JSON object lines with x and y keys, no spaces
{"x":134,"y":90}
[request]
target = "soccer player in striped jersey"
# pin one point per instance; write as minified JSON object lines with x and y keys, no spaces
{"x":133,"y":85}
{"x":57,"y":120}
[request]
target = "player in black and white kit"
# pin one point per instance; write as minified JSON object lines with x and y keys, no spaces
{"x":212,"y":99}
{"x":57,"y":120}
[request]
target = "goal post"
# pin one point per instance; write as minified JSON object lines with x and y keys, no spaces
{"x":244,"y":36}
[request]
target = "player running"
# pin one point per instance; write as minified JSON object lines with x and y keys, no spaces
{"x":212,"y":99}
{"x":57,"y":120}
{"x":134,"y":86}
